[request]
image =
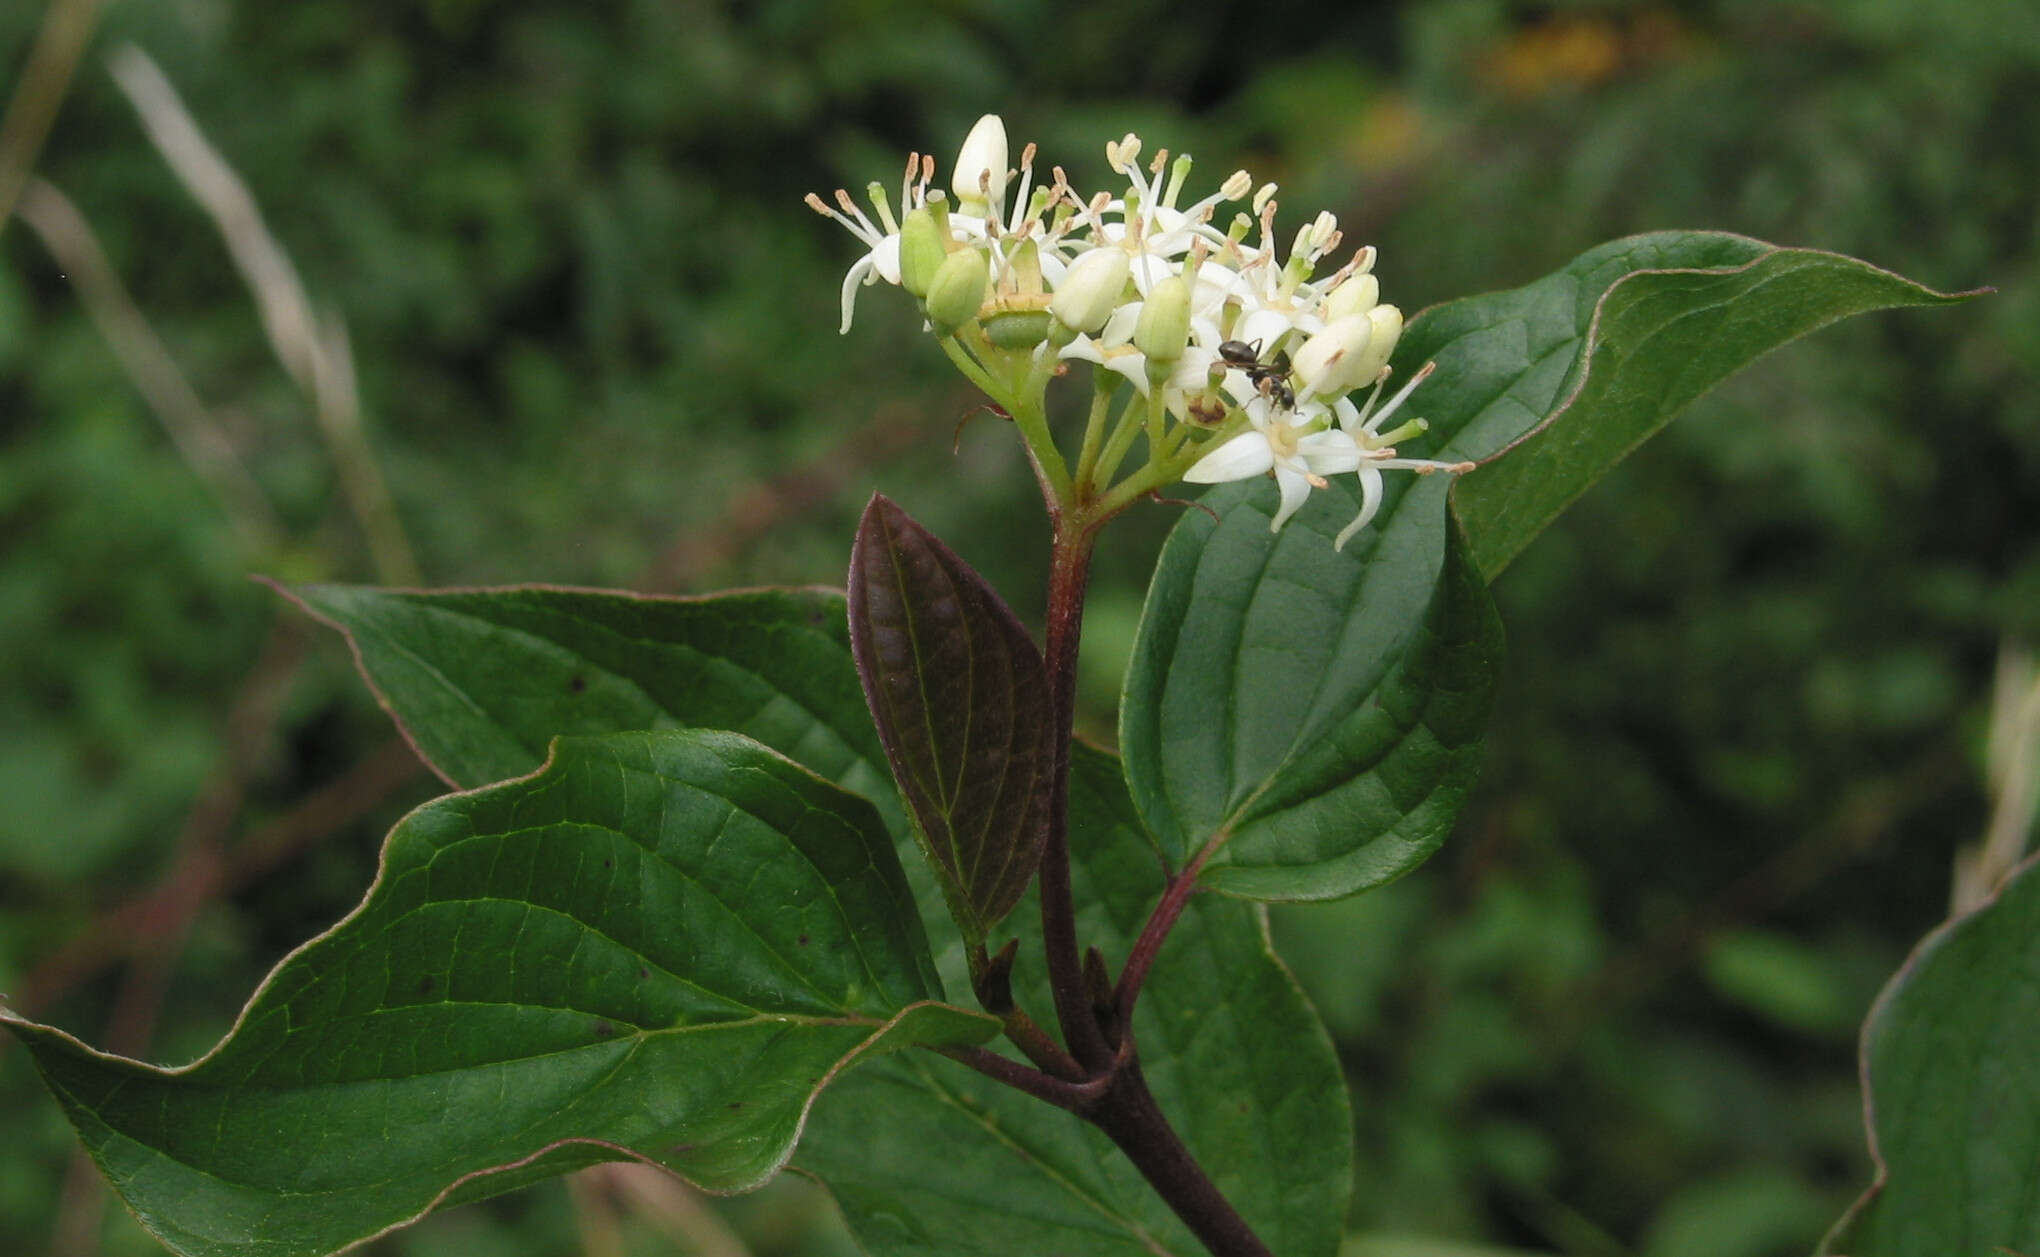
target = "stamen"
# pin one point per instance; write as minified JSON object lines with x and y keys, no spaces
{"x":1022,"y":200}
{"x":869,"y":232}
{"x":907,"y":198}
{"x":1374,"y":421}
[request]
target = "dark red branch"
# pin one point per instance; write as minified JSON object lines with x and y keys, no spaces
{"x":1077,"y":1097}
{"x":1068,"y":575}
{"x":1156,"y":932}
{"x":1130,"y":1118}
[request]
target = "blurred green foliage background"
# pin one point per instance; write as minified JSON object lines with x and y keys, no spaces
{"x":596,"y":339}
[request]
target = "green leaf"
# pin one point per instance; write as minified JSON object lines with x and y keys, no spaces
{"x":960,"y":697}
{"x":928,"y":1159}
{"x":482,"y":680}
{"x":1572,"y":372}
{"x":660,"y":946}
{"x":1311,"y":720}
{"x":1315,"y":716}
{"x":1952,"y":1090}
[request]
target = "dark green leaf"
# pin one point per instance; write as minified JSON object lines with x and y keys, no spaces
{"x":482,"y":680}
{"x":1314,"y":717}
{"x":659,"y":946}
{"x":931,"y":1160}
{"x":1570,"y":373}
{"x":960,"y":697}
{"x":1319,"y":713}
{"x":1951,"y":1070}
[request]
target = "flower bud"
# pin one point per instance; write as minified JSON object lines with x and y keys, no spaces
{"x":1090,"y":292}
{"x":1164,"y":326}
{"x":1357,"y":295}
{"x":1325,"y":364}
{"x":956,"y":291}
{"x":1387,"y":330}
{"x":1016,"y":329}
{"x":921,"y":251}
{"x":982,"y":159}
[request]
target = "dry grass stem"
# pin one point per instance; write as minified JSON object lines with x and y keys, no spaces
{"x":201,"y":441}
{"x":313,"y":350}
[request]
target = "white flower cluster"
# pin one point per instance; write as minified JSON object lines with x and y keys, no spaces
{"x":1212,"y":325}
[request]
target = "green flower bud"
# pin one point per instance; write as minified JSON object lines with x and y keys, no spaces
{"x":1357,"y":295}
{"x":1091,"y":290}
{"x":956,"y":291}
{"x":1164,"y":326}
{"x":921,"y":251}
{"x":1016,"y":329}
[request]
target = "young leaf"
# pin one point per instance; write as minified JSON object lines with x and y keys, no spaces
{"x":931,"y":1160}
{"x":960,"y":697}
{"x":1314,"y":717}
{"x":660,"y":946}
{"x":1951,"y":1078}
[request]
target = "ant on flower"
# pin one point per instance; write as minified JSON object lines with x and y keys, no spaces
{"x":1270,"y":377}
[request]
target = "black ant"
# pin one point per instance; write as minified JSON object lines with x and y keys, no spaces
{"x":1270,"y":377}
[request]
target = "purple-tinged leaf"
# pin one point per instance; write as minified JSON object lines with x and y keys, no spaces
{"x":960,"y":697}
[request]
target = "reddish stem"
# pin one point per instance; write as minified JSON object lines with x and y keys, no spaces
{"x":1077,"y":1097}
{"x":1069,"y":573}
{"x":1156,"y":932}
{"x":1130,"y":1118}
{"x":1115,"y":1096}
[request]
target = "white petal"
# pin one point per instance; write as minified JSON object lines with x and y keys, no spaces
{"x":1133,"y":365}
{"x":1295,"y":488}
{"x":1084,"y":348}
{"x":885,"y":258}
{"x":1370,"y":502}
{"x":1247,"y":454}
{"x":1191,"y":370}
{"x":859,"y":273}
{"x":1119,"y":328}
{"x":1263,"y":326}
{"x":1329,"y":453}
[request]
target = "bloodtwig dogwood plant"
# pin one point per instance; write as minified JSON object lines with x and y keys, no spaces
{"x":789,"y":876}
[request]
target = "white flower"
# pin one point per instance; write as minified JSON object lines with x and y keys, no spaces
{"x":1359,"y":445}
{"x":1107,"y":264}
{"x":881,"y":259}
{"x":1280,"y":441}
{"x":1149,"y":225}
